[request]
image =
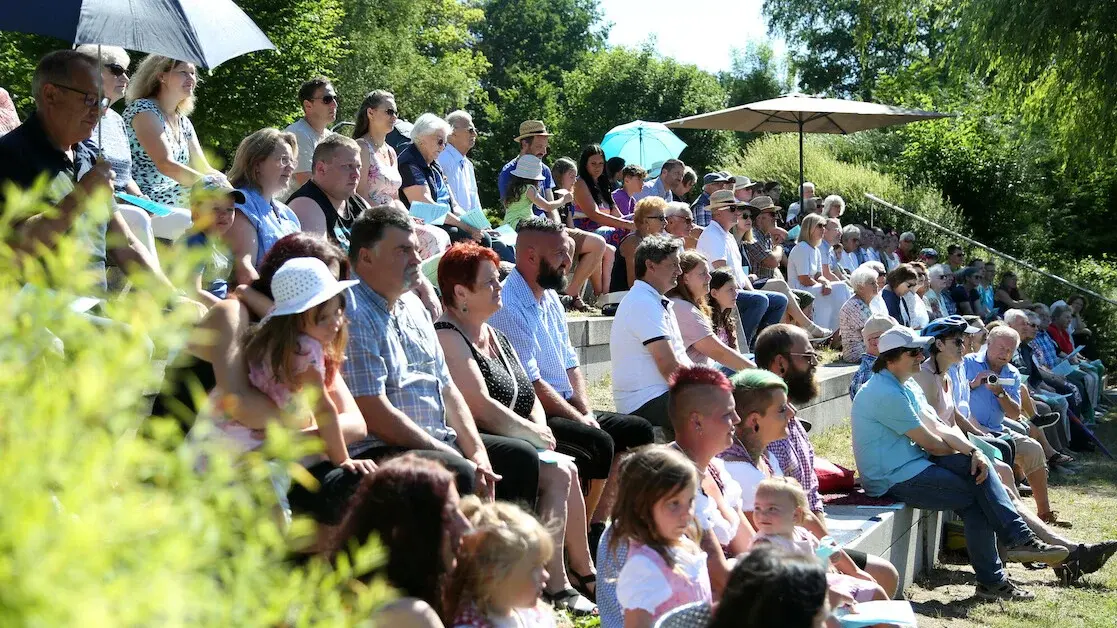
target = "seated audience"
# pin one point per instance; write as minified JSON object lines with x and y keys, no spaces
{"x":914,"y":297}
{"x":1007,"y":296}
{"x":689,"y":299}
{"x":781,"y":507}
{"x":993,"y":401}
{"x":964,"y":294}
{"x":745,"y":190}
{"x":937,"y":298}
{"x":901,"y":281}
{"x":722,"y":301}
{"x":851,"y":255}
{"x":459,"y":171}
{"x":411,"y":506}
{"x":167,"y":157}
{"x":487,"y":371}
{"x":670,"y":174}
{"x":522,"y":193}
{"x":261,"y":170}
{"x":398,"y":374}
{"x":856,"y":312}
{"x":565,"y":172}
{"x":594,"y":208}
{"x":501,"y":566}
{"x":659,"y":566}
{"x":795,"y":213}
{"x":711,"y":182}
{"x":805,"y":271}
{"x":534,"y":322}
{"x":594,"y":258}
{"x":680,"y":223}
{"x":632,"y":181}
{"x":1081,"y":334}
{"x":904,"y":453}
{"x":614,"y":167}
{"x":380,"y":179}
{"x":113,"y":139}
{"x":885,"y":245}
{"x":645,"y":342}
{"x":760,"y":400}
{"x":53,"y":142}
{"x":682,"y":189}
{"x":905,"y":248}
{"x":327,"y":203}
{"x":649,"y":219}
{"x":829,"y":249}
{"x":319,"y":102}
{"x":955,"y":258}
{"x":874,"y":329}
{"x":1062,"y":316}
{"x":212,"y":208}
{"x":1047,"y":357}
{"x":773,"y":587}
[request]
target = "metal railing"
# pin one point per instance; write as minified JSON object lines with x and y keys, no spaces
{"x":992,"y":250}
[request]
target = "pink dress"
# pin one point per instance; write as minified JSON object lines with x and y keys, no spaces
{"x":540,"y":616}
{"x":384,"y":181}
{"x":803,"y":542}
{"x":647,"y":583}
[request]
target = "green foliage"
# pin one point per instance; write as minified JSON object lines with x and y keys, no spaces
{"x":776,"y":157}
{"x":422,"y":51}
{"x":621,"y":85}
{"x":19,"y":53}
{"x":258,"y":90}
{"x":756,"y":74}
{"x":106,"y":522}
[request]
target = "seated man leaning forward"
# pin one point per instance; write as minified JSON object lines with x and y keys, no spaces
{"x":645,"y":342}
{"x":398,"y":374}
{"x":902,"y":452}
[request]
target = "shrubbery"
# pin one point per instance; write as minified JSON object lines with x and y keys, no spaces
{"x":105,"y":521}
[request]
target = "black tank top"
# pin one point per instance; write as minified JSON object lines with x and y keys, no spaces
{"x":337,"y":227}
{"x":504,"y":387}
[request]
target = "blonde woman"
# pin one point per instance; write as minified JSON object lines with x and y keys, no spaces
{"x":650,"y":218}
{"x":692,"y":310}
{"x":166,"y":156}
{"x":805,"y":272}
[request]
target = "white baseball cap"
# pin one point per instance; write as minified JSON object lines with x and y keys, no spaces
{"x":302,"y":283}
{"x":903,"y":337}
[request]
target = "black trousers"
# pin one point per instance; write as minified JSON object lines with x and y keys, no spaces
{"x":657,"y":413}
{"x":593,"y":449}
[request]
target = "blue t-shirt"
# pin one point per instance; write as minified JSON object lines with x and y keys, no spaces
{"x":883,"y":412}
{"x":216,"y":270}
{"x":984,"y":406}
{"x":505,"y":179}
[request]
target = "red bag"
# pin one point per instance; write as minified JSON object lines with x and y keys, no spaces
{"x":832,"y":478}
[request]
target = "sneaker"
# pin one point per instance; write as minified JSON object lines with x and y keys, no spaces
{"x":1036,"y":551}
{"x":817,"y":332}
{"x":1006,"y":590}
{"x":1094,"y":556}
{"x":1045,"y":420}
{"x":1051,"y":518}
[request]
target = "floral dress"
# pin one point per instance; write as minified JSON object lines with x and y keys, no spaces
{"x":156,"y":185}
{"x":384,"y":181}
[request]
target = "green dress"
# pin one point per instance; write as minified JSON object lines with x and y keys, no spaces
{"x":518,"y":211}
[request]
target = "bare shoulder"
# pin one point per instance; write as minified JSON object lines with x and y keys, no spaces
{"x":407,"y":612}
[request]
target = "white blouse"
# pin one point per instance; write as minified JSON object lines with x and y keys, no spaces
{"x":804,"y":260}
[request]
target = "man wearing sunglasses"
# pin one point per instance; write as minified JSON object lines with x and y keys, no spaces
{"x":319,"y":102}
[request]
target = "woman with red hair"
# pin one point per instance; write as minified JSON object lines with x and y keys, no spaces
{"x":502,"y":400}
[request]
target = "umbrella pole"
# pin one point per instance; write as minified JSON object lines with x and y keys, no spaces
{"x":100,"y":99}
{"x":801,"y":199}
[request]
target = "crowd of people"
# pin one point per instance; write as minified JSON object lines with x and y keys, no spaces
{"x":453,"y":412}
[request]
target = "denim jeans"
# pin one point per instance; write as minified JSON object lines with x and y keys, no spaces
{"x":759,"y":309}
{"x":985,"y":510}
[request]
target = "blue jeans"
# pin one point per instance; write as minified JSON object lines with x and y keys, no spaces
{"x":759,"y":309}
{"x":985,"y":510}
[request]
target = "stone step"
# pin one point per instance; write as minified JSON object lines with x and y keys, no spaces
{"x":909,"y":538}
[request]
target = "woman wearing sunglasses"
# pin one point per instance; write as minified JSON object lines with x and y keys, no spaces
{"x":111,"y":137}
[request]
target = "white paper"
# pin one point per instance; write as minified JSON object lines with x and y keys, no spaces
{"x":430,"y":213}
{"x":549,"y":456}
{"x":892,"y":612}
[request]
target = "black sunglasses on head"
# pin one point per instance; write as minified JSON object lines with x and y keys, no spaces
{"x":116,"y":69}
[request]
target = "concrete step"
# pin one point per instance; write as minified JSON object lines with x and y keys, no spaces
{"x":907,"y":537}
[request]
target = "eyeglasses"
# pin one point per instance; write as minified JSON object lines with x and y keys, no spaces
{"x":688,"y":220}
{"x":329,"y":99}
{"x":659,"y":217}
{"x":916,"y":352}
{"x":116,"y":69}
{"x":958,"y":342}
{"x":911,"y":284}
{"x":441,"y":142}
{"x":89,"y":100}
{"x":812,"y":357}
{"x":392,"y":113}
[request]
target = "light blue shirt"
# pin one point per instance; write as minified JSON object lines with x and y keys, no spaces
{"x":984,"y":406}
{"x":537,"y":330}
{"x":883,"y":412}
{"x":461,"y":177}
{"x":654,"y":187}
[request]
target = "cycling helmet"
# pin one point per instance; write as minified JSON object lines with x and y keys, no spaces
{"x":948,"y":324}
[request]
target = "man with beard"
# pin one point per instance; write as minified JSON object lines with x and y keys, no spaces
{"x":786,"y":351}
{"x":533,"y":319}
{"x":397,"y":372}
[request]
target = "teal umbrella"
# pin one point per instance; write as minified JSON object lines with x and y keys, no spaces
{"x":647,"y":144}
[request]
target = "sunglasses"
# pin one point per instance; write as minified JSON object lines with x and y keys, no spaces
{"x":392,"y":113}
{"x":685,"y":219}
{"x":329,"y":99}
{"x":914,"y":352}
{"x":659,"y":217}
{"x":116,"y":69}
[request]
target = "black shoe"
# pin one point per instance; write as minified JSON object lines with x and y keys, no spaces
{"x":1036,"y":551}
{"x":807,"y":425}
{"x":1046,"y":420}
{"x":1007,"y":590}
{"x":1094,"y":556}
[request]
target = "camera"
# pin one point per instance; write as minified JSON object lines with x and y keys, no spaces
{"x":991,"y":380}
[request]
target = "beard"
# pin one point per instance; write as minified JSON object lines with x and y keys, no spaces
{"x":550,"y":277}
{"x":802,"y":387}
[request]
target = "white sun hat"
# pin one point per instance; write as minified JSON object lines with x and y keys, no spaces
{"x":302,"y":283}
{"x":529,"y":167}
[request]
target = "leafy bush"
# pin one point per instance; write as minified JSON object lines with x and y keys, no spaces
{"x":105,"y":521}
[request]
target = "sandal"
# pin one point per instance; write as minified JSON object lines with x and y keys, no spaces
{"x":572,"y":602}
{"x":1052,"y":519}
{"x":1059,"y":460}
{"x":575,"y":304}
{"x":582,"y":584}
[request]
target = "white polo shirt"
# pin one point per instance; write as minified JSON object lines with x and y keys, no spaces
{"x":718,"y":244}
{"x":643,"y":316}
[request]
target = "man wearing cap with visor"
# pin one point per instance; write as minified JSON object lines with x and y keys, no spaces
{"x":711,"y":183}
{"x":870,"y":333}
{"x":904,"y":453}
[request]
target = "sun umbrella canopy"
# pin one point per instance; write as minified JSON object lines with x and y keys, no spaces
{"x":647,"y":144}
{"x":204,"y":32}
{"x":817,"y":115}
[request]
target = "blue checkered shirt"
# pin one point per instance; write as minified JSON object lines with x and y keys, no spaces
{"x":1047,"y":354}
{"x":862,"y":375}
{"x":701,"y":210}
{"x":538,"y":333}
{"x":396,"y":354}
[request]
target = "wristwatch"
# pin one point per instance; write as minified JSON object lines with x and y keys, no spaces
{"x":1001,"y":395}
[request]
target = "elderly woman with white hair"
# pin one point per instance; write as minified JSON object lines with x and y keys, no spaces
{"x":805,"y":272}
{"x":856,"y":311}
{"x":680,"y":223}
{"x":850,"y":257}
{"x":424,"y":181}
{"x":939,"y":279}
{"x":111,"y":137}
{"x":833,"y":206}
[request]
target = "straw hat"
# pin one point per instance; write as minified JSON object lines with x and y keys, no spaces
{"x":762,"y":204}
{"x":302,"y":283}
{"x":532,"y":128}
{"x":722,"y":199}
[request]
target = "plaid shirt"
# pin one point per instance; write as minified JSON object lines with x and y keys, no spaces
{"x":396,"y":354}
{"x":538,"y":333}
{"x":862,"y":375}
{"x":756,"y":252}
{"x":796,"y":457}
{"x":1047,"y":354}
{"x":701,"y":210}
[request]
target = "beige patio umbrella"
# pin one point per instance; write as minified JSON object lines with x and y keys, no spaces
{"x":805,"y":114}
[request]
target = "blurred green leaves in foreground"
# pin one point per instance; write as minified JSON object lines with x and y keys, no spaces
{"x":104,"y":520}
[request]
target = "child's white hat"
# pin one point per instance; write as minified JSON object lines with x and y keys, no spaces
{"x":302,"y":283}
